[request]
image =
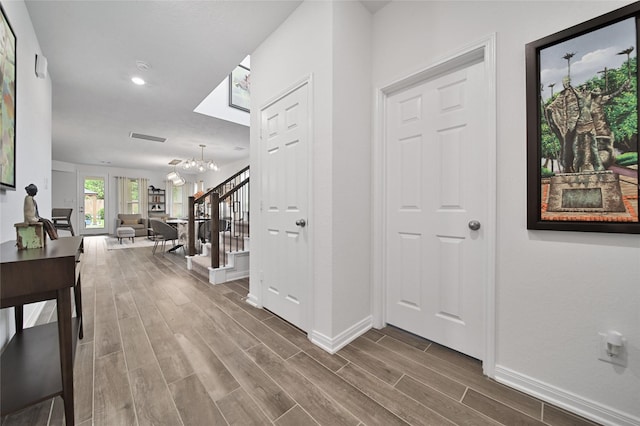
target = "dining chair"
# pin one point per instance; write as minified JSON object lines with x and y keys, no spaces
{"x":162,"y":232}
{"x":61,"y":219}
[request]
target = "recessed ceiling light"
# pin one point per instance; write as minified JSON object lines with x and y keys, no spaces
{"x":138,"y":81}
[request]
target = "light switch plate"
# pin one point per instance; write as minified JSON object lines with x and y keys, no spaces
{"x":620,"y":360}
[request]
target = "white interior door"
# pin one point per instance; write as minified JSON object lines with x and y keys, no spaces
{"x":284,"y":199}
{"x":436,"y":184}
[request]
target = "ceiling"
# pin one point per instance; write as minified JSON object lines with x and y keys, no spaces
{"x":190,"y":47}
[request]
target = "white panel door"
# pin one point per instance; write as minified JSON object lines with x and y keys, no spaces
{"x":436,"y":184}
{"x":284,"y":152}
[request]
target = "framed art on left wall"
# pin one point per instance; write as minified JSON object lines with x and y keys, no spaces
{"x":8,"y":104}
{"x":582,"y":126}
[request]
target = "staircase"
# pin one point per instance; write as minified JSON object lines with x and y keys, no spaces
{"x":222,"y":216}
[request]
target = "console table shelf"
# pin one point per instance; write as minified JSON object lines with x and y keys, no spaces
{"x":37,"y":364}
{"x":31,"y":366}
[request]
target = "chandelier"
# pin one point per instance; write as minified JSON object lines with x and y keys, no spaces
{"x":174,"y":176}
{"x":200,"y":165}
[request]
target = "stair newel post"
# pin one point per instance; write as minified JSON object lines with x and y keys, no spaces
{"x":191,"y":227}
{"x":215,"y":225}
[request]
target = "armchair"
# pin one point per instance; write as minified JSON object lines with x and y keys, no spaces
{"x":135,"y":221}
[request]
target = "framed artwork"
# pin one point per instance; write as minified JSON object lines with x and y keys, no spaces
{"x":582,"y":126}
{"x":240,"y":88}
{"x":8,"y":106}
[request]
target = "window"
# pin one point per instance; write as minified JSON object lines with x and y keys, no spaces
{"x":133,"y":196}
{"x":177,"y":201}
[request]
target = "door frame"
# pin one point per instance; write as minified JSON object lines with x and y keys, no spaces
{"x":484,"y":49}
{"x":256,"y":298}
{"x":81,"y":228}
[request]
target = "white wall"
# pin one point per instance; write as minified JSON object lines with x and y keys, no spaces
{"x":555,"y":290}
{"x":213,"y":179}
{"x":331,"y":42}
{"x":351,"y":165}
{"x":65,"y":195}
{"x":33,"y":140}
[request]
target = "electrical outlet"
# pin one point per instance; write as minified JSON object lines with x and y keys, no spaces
{"x":603,"y":355}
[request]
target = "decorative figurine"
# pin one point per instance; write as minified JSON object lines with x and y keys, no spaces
{"x":31,"y":214}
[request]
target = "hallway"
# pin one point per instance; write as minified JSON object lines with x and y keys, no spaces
{"x":164,"y":347}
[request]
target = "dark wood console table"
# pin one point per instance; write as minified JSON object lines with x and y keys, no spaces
{"x":37,"y":364}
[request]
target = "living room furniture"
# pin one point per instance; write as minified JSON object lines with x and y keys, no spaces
{"x":125,"y":232}
{"x":61,"y":219}
{"x":163,"y":232}
{"x":153,"y":215}
{"x":37,"y":364}
{"x":156,"y":200}
{"x":135,"y":221}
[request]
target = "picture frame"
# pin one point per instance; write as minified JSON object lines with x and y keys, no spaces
{"x":582,"y":137}
{"x":8,"y":73}
{"x":240,"y":88}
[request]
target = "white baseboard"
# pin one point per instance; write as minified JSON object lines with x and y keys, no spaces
{"x":564,"y":399}
{"x":253,"y":301}
{"x":218,"y":275}
{"x":237,"y":268}
{"x":333,"y":345}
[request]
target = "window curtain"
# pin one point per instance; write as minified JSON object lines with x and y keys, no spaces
{"x":143,"y":190}
{"x":122,"y":185}
{"x":169,"y":197}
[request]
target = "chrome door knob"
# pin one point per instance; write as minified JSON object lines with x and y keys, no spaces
{"x":474,"y":225}
{"x":301,"y":223}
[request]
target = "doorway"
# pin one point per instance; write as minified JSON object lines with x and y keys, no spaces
{"x":436,"y":214}
{"x":284,"y":153}
{"x":92,"y":210}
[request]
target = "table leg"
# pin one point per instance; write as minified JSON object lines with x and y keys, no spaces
{"x":18,"y":313}
{"x":77,"y":292}
{"x":65,"y":342}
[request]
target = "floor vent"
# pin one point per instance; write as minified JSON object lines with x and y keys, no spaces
{"x":134,"y":135}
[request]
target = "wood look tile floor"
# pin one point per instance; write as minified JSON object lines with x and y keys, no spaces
{"x":163,"y":347}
